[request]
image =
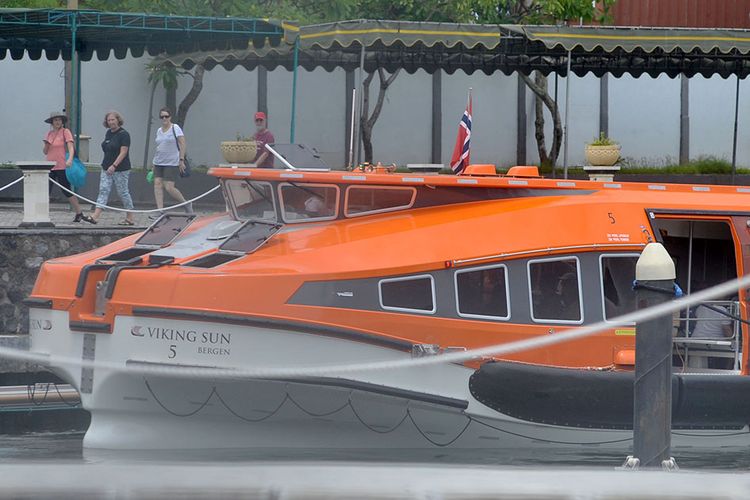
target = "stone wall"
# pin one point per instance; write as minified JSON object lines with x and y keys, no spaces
{"x":22,"y":253}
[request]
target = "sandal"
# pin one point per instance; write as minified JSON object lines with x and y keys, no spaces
{"x":126,"y":222}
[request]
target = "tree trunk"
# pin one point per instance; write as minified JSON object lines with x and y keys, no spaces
{"x":149,"y":123}
{"x":368,"y":122}
{"x":172,"y":98}
{"x":191,"y":96}
{"x":541,"y":146}
{"x":539,"y":87}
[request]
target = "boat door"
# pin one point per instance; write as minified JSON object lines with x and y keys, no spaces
{"x":708,"y":249}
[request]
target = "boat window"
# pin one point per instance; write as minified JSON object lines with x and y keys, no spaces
{"x":554,"y":285}
{"x":482,"y":293}
{"x":412,"y":294}
{"x":308,"y":202}
{"x":250,"y":199}
{"x":165,"y":230}
{"x":365,"y":200}
{"x":249,"y":237}
{"x":617,"y":274}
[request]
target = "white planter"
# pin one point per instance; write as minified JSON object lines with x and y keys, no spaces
{"x":238,"y":151}
{"x":602,"y":155}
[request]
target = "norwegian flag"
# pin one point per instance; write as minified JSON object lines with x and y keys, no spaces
{"x":460,"y":157}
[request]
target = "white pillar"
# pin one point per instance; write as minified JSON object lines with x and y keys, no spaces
{"x":36,"y":193}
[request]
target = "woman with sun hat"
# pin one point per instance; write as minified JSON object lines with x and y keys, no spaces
{"x":57,"y":142}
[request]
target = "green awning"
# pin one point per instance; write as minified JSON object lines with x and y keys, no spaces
{"x":647,"y":40}
{"x":451,"y":47}
{"x":376,"y":34}
{"x":51,"y":32}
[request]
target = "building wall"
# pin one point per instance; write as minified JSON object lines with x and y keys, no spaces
{"x":643,"y":113}
{"x":683,"y":13}
{"x":644,"y":117}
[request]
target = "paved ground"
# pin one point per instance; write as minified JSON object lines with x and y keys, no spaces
{"x":11,"y":215}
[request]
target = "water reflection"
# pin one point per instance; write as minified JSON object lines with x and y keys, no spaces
{"x":68,"y":447}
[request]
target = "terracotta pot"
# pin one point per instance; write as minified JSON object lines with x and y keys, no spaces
{"x":602,"y":156}
{"x":238,"y":151}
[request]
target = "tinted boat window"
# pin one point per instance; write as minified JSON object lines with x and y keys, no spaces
{"x":163,"y":231}
{"x":307,"y":202}
{"x":250,"y":199}
{"x":408,"y":294}
{"x":555,"y":291}
{"x":249,"y":237}
{"x":618,"y":274}
{"x":482,"y":293}
{"x":362,"y":200}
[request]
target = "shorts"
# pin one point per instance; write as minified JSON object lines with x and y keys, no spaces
{"x":168,"y":173}
{"x":62,"y":179}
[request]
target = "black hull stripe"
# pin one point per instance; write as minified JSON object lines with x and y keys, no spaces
{"x":88,"y":326}
{"x":343,"y":383}
{"x":275,"y":324}
{"x":37,"y":303}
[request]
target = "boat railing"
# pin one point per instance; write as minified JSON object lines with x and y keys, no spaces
{"x":709,"y":339}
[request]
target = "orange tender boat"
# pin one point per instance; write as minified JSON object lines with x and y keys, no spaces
{"x":316,"y":268}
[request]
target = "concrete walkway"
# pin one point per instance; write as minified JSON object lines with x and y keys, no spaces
{"x":11,"y":215}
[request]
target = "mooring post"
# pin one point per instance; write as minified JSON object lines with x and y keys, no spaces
{"x":36,"y":193}
{"x":652,"y":388}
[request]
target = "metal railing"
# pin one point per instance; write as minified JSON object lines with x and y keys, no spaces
{"x":708,"y":335}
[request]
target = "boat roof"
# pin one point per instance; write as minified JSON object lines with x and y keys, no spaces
{"x":483,"y":181}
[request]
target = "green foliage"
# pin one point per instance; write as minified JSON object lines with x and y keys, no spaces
{"x":700,"y":165}
{"x":33,"y":4}
{"x":162,"y":73}
{"x":304,"y":11}
{"x":602,"y":140}
{"x":541,"y":11}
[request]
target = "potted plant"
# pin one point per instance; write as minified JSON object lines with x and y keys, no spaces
{"x":603,"y":151}
{"x":240,"y":151}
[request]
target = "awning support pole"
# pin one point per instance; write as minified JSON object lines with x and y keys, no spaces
{"x":736,"y":118}
{"x":78,"y":102}
{"x":76,"y":84}
{"x":360,"y":104}
{"x":294,"y":90}
{"x":350,"y":163}
{"x":567,"y":118}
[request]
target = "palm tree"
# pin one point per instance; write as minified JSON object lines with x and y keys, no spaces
{"x":158,"y":73}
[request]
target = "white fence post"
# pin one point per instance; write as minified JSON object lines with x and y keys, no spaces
{"x":36,"y":193}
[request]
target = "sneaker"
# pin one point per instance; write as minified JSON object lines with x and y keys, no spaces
{"x":189,"y":209}
{"x":86,"y":218}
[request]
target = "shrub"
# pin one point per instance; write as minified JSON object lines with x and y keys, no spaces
{"x":603,"y":140}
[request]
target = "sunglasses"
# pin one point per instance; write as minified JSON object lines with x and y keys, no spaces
{"x":164,"y":116}
{"x":259,"y":120}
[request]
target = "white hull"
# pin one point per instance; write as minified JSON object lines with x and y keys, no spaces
{"x":424,"y":407}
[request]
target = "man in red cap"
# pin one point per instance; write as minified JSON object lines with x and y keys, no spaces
{"x":263,"y":136}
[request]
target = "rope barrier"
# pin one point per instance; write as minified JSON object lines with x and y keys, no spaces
{"x":344,"y":369}
{"x":11,"y":184}
{"x":116,"y":209}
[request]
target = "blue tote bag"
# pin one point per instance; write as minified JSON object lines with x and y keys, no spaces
{"x":76,"y":173}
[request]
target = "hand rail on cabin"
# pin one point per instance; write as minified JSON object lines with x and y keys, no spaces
{"x":547,"y":250}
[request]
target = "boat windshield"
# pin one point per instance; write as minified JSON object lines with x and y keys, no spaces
{"x":308,"y":202}
{"x":250,"y":199}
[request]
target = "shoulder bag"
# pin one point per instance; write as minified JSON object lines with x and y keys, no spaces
{"x":185,"y":173}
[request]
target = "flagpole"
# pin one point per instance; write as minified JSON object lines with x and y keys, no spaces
{"x":471,"y":112}
{"x":461,"y":156}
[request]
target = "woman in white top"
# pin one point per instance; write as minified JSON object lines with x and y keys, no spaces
{"x":169,"y":160}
